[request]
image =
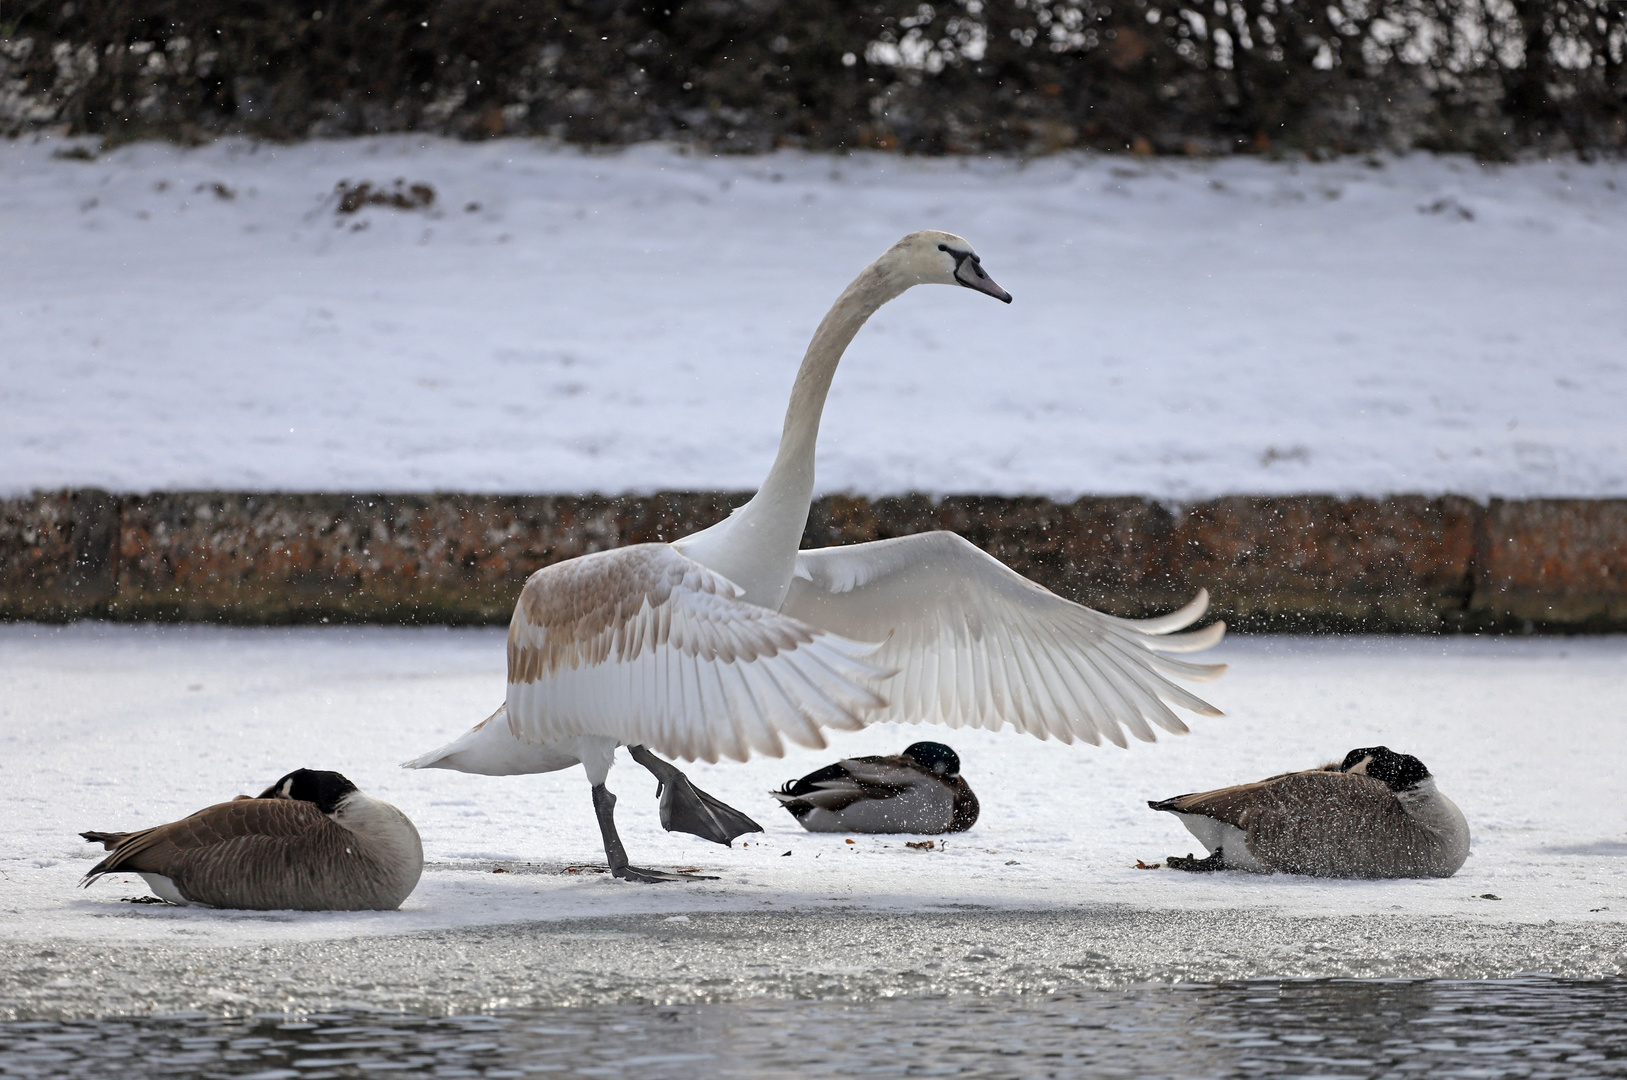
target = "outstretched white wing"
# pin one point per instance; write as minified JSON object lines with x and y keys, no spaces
{"x":976,"y":644}
{"x":646,"y":646}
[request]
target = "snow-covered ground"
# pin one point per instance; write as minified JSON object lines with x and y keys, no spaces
{"x":564,"y":321}
{"x":114,"y":727}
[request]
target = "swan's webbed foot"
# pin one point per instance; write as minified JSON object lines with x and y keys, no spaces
{"x":639,"y":873}
{"x":604,"y":806}
{"x":1197,"y":866}
{"x":686,"y":808}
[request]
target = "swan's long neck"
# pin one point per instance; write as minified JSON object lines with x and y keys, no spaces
{"x":756,"y":547}
{"x":790,"y":482}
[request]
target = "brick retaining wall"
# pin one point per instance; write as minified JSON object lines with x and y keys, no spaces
{"x":1310,"y":562}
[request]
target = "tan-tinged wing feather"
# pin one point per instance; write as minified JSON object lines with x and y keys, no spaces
{"x":978,"y":645}
{"x":646,"y":646}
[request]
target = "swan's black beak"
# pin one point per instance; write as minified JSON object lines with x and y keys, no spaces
{"x":970,"y":273}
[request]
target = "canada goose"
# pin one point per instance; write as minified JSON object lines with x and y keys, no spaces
{"x":1377,"y":814}
{"x":310,"y":842}
{"x":918,"y":791}
{"x":730,"y":640}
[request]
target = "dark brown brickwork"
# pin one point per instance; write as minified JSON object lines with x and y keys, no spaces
{"x":1554,"y":561}
{"x":1310,"y":562}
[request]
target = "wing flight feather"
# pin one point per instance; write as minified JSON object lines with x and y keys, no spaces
{"x":976,"y":644}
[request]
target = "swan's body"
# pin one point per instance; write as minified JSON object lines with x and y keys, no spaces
{"x":1375,"y":815}
{"x":310,"y":842}
{"x":918,"y":791}
{"x":731,"y":640}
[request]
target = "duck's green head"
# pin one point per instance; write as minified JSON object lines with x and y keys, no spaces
{"x":935,"y":756}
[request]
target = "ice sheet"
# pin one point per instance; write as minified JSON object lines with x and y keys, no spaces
{"x":115,"y":727}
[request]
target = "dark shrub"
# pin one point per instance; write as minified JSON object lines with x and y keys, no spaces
{"x":1027,"y":75}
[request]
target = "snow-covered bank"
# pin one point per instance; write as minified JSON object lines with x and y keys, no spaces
{"x":114,"y":727}
{"x":564,"y":321}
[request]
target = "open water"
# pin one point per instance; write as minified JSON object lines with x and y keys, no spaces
{"x":1521,"y":1027}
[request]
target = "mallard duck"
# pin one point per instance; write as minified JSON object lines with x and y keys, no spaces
{"x":918,"y":791}
{"x":1377,"y":814}
{"x":310,"y":842}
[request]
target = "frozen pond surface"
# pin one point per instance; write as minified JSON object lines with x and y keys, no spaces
{"x":1529,"y":1027}
{"x":113,"y":727}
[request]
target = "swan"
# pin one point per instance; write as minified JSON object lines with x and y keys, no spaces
{"x":730,"y":640}
{"x":310,"y":842}
{"x":1376,"y":814}
{"x":917,"y":791}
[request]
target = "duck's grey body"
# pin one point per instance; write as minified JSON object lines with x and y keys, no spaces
{"x":346,"y":851}
{"x":918,"y":791}
{"x":1376,"y":815}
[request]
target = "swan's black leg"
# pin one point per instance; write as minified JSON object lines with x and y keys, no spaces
{"x":604,"y":808}
{"x":686,"y":808}
{"x":1198,"y":866}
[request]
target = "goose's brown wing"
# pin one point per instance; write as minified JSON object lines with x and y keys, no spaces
{"x":274,"y":821}
{"x":248,"y":853}
{"x":1331,"y":824}
{"x":1228,"y":804}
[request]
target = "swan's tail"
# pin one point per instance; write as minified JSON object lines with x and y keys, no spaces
{"x":490,"y":749}
{"x":431,"y":760}
{"x":446,"y":757}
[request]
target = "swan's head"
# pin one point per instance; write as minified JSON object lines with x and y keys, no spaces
{"x":930,"y":257}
